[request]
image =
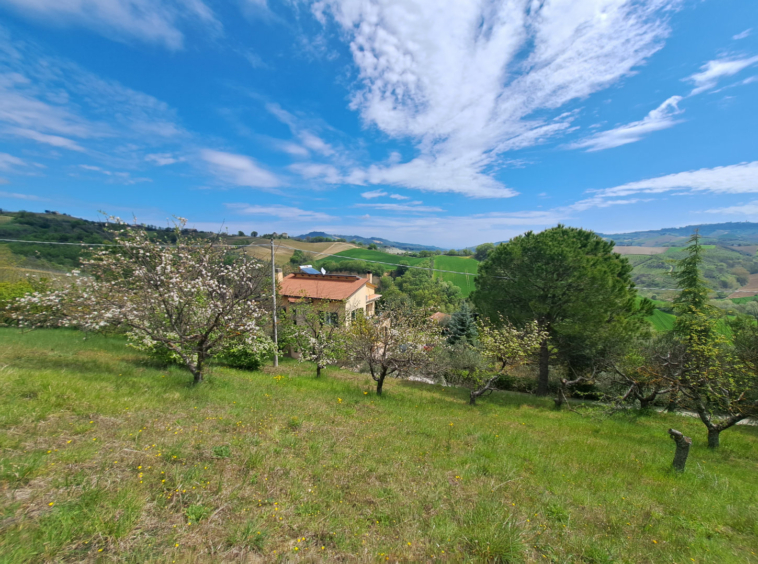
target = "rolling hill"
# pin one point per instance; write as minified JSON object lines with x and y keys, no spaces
{"x":726,"y":234}
{"x":368,"y":240}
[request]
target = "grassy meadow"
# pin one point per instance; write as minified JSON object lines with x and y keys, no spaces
{"x":106,"y":457}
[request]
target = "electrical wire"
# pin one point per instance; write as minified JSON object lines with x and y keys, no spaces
{"x":280,"y":246}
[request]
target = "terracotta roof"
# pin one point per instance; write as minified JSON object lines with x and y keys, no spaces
{"x":321,"y":287}
{"x":440,"y":317}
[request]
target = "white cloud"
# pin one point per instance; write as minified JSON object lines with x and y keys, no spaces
{"x":151,"y":21}
{"x":733,"y":179}
{"x":374,"y":194}
{"x":163,"y":159}
{"x":742,"y":35}
{"x":306,"y":138}
{"x":712,"y":71}
{"x":294,"y":149}
{"x":318,"y":171}
{"x":8,"y":162}
{"x":54,"y":140}
{"x":20,"y":196}
{"x":239,"y":170}
{"x":660,"y":118}
{"x":401,"y":207}
{"x":57,"y":103}
{"x":399,"y":197}
{"x":468,"y":81}
{"x":750,"y":209}
{"x":282,"y":212}
{"x":315,"y":143}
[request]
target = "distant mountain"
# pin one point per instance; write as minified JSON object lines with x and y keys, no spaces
{"x":726,"y":234}
{"x":368,"y":240}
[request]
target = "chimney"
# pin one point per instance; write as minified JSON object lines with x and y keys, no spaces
{"x":279,"y":275}
{"x":370,"y":277}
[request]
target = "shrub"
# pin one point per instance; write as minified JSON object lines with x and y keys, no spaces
{"x":239,"y":355}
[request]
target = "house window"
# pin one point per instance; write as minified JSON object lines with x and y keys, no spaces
{"x":356,"y":313}
{"x":329,"y":317}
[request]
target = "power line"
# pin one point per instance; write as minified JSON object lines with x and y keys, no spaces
{"x":280,"y":246}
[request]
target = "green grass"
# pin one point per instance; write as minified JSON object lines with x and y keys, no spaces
{"x":101,"y":451}
{"x":661,"y":320}
{"x":366,"y":254}
{"x":745,"y":299}
{"x":442,"y":262}
{"x":458,"y":264}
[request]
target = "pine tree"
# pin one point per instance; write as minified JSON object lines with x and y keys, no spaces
{"x":462,"y":326}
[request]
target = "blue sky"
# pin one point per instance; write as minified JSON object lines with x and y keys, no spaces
{"x":440,"y":122}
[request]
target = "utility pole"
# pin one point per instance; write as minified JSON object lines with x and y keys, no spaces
{"x":273,"y":297}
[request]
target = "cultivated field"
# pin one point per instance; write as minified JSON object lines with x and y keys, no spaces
{"x":106,"y":457}
{"x":749,"y":289}
{"x":630,"y":250}
{"x":284,"y":248}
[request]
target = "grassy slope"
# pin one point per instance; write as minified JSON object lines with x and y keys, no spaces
{"x":89,"y":432}
{"x":366,"y":254}
{"x":661,"y":320}
{"x":458,"y":264}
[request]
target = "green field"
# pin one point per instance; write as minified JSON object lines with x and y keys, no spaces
{"x":457,"y":264}
{"x":661,"y":320}
{"x":442,"y":262}
{"x":378,"y":256}
{"x":106,"y":457}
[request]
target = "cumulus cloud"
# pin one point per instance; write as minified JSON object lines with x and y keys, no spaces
{"x":733,"y":179}
{"x":399,"y":197}
{"x":282,"y":212}
{"x":660,"y":118}
{"x":239,"y":170}
{"x":151,"y":21}
{"x":468,"y":81}
{"x":712,"y":71}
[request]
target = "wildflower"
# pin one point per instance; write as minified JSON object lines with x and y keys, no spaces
{"x":51,"y":503}
{"x":339,"y":400}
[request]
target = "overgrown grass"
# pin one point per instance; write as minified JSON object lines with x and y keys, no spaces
{"x":105,"y":457}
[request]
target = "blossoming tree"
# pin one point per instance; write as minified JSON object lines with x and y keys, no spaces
{"x":505,"y":348}
{"x":318,"y":332}
{"x":396,"y":343}
{"x":192,"y":297}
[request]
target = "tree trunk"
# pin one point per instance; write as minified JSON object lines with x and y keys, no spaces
{"x":682,"y":449}
{"x":472,"y":398}
{"x":543,"y":387}
{"x":318,"y":370}
{"x":713,"y":438}
{"x":197,"y":372}
{"x":380,"y":382}
{"x":198,"y":376}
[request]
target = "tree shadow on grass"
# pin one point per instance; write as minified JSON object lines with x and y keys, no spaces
{"x":500,"y":398}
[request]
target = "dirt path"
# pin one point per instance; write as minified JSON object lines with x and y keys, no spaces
{"x":749,"y":289}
